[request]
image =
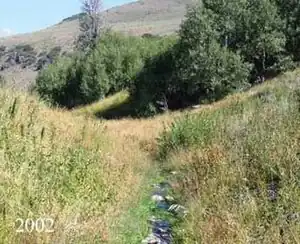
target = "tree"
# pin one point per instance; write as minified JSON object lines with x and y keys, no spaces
{"x":197,"y":68}
{"x":253,"y":28}
{"x":266,"y":40}
{"x":94,"y":83}
{"x":206,"y":68}
{"x":90,"y":25}
{"x":290,"y":12}
{"x":227,"y":15}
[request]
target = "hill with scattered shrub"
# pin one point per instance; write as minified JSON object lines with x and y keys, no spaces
{"x":136,"y":18}
{"x":220,"y":49}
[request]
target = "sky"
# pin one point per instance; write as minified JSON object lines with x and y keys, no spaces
{"x":22,"y":16}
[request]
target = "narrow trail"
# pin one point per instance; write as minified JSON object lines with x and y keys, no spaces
{"x":135,"y":144}
{"x":166,"y":209}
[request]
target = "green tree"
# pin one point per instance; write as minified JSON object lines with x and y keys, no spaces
{"x":205,"y":67}
{"x":198,"y":67}
{"x":253,"y":28}
{"x":94,"y":83}
{"x":290,"y":12}
{"x":265,"y":41}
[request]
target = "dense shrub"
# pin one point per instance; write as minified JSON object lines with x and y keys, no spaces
{"x":153,"y":82}
{"x":289,"y":11}
{"x":124,"y":56}
{"x":2,"y":48}
{"x":256,"y":30}
{"x":51,"y":82}
{"x":205,"y":68}
{"x":24,"y":48}
{"x":109,"y":68}
{"x":252,"y":27}
{"x":54,"y":52}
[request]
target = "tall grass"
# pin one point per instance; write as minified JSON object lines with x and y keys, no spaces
{"x":239,"y":167}
{"x":56,"y":165}
{"x":91,"y":176}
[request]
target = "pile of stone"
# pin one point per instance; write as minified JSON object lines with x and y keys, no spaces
{"x":161,"y":230}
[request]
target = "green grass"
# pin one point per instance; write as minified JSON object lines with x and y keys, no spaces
{"x":134,"y":227}
{"x":105,"y":105}
{"x":226,"y":158}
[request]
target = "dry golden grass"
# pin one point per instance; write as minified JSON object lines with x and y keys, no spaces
{"x":112,"y":183}
{"x":249,"y":140}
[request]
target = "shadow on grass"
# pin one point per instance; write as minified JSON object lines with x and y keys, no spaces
{"x":124,"y":110}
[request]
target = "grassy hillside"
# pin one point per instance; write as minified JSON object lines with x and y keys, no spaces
{"x":238,"y":166}
{"x":145,"y":16}
{"x":91,"y":175}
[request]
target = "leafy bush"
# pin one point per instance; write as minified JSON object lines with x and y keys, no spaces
{"x":54,"y":52}
{"x":211,"y":72}
{"x":71,"y":81}
{"x":222,"y":48}
{"x":110,"y":68}
{"x":153,"y":81}
{"x":125,"y":56}
{"x":24,"y":48}
{"x":253,"y":28}
{"x":2,"y":48}
{"x":93,"y":82}
{"x":51,"y":82}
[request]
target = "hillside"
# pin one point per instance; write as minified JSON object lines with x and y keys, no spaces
{"x":136,"y":18}
{"x":62,"y":165}
{"x":146,"y":16}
